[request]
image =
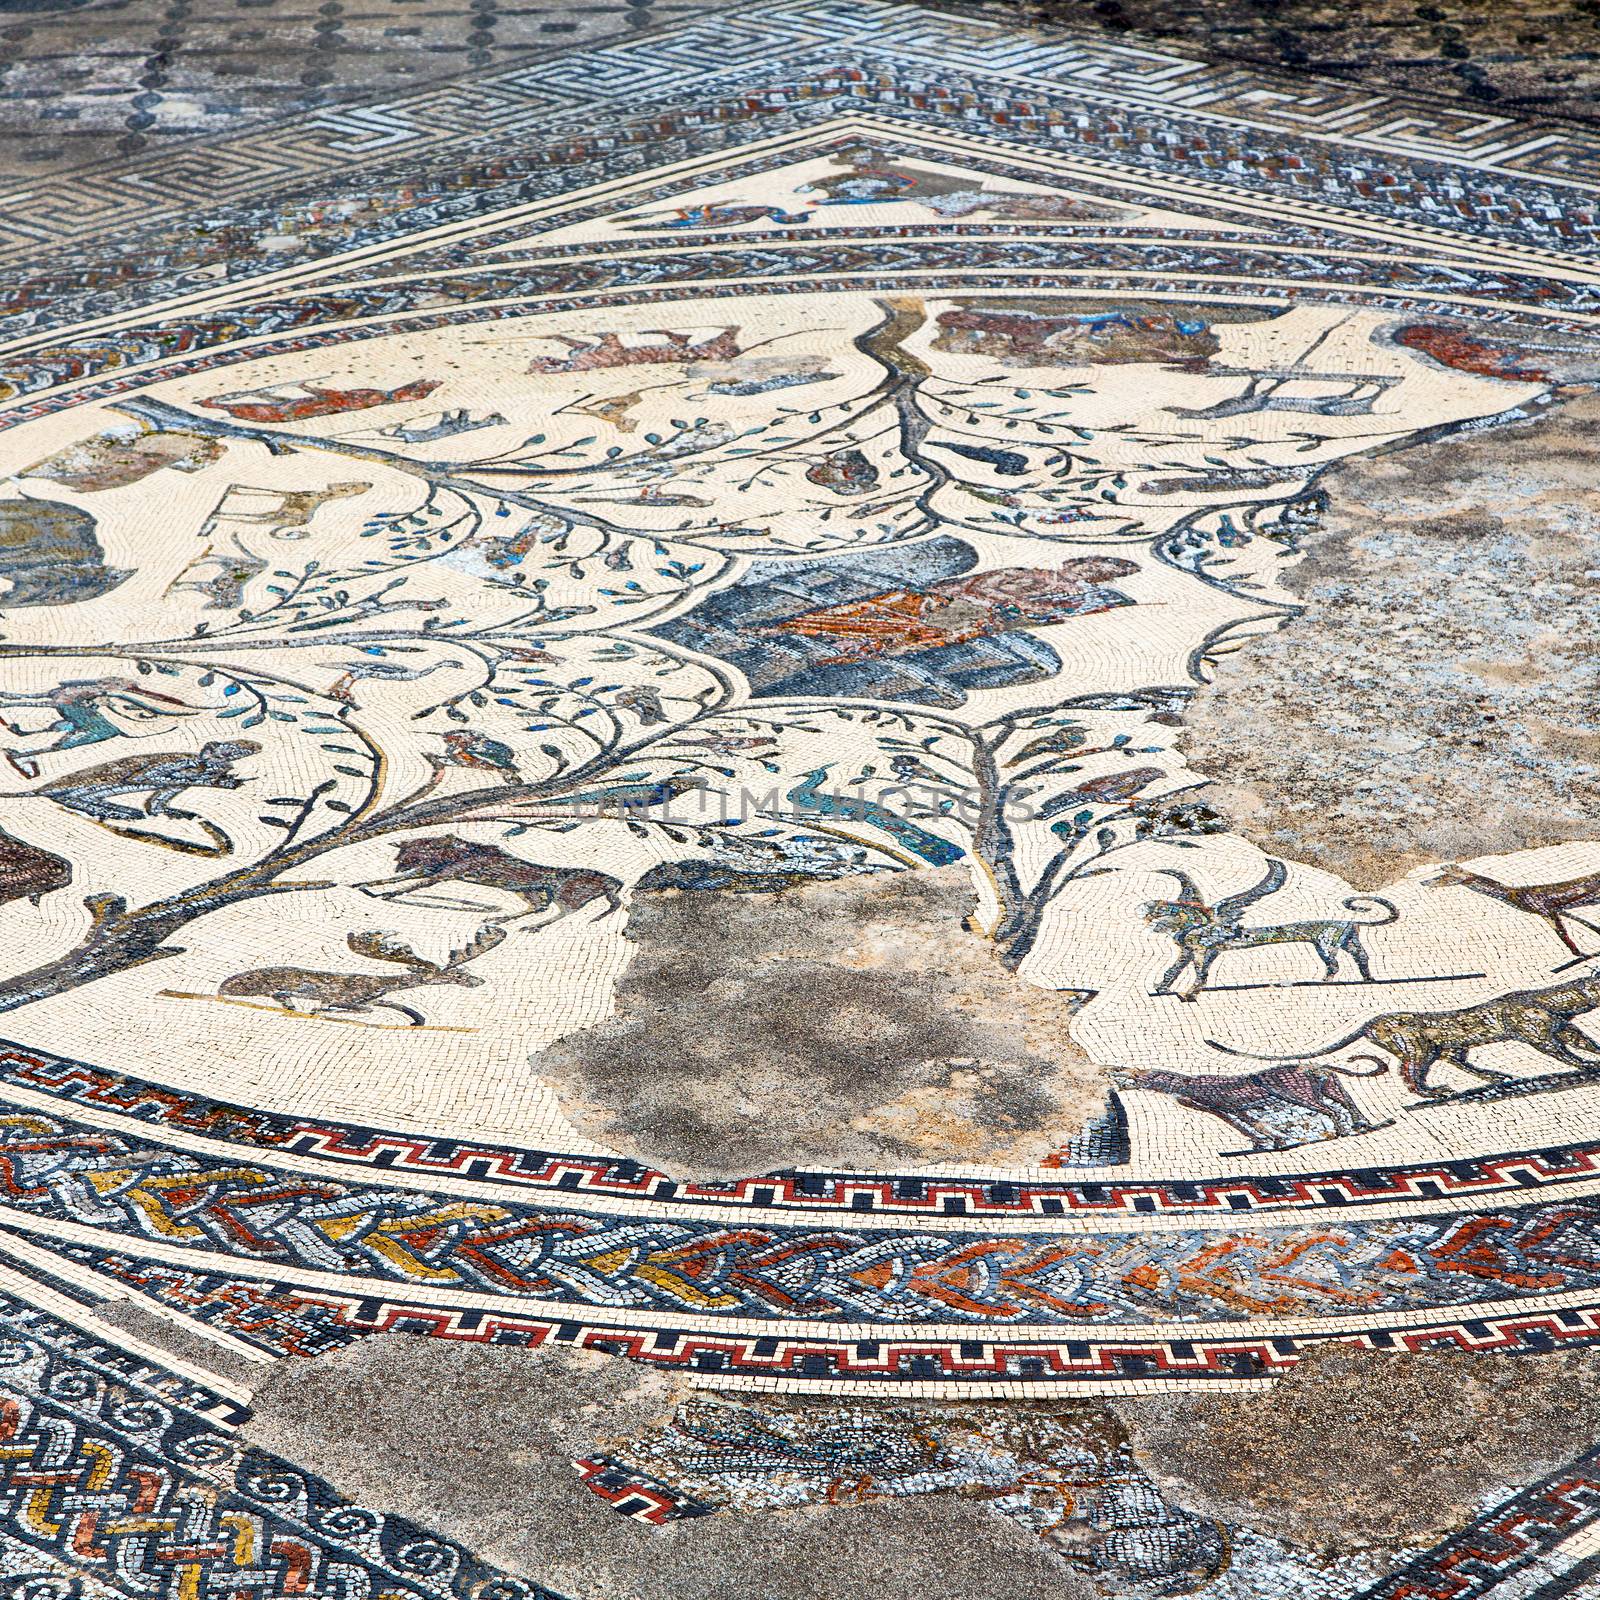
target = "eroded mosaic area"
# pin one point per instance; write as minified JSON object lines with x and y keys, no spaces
{"x":856,"y":817}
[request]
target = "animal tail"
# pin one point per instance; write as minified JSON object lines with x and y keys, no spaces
{"x":1359,"y":902}
{"x":1380,"y":1067}
{"x":1294,"y":1055}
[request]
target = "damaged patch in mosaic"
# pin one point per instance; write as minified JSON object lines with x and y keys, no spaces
{"x":1451,"y":596}
{"x":484,"y":1453}
{"x":846,"y":1024}
{"x":1359,"y":1448}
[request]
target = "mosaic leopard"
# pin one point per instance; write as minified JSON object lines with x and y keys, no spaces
{"x":1421,"y":1040}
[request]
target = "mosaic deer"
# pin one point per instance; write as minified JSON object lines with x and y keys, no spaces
{"x":1552,"y":901}
{"x":285,"y":513}
{"x":362,"y":991}
{"x":1203,"y":932}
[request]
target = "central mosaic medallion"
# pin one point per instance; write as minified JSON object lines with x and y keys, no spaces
{"x":441,"y":667}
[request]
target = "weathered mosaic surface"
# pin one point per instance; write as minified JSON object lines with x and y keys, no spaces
{"x":597,"y":758}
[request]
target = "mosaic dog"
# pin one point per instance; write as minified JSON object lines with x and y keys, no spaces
{"x":1552,"y":901}
{"x":1203,"y":932}
{"x":427,"y":863}
{"x":1422,"y":1040}
{"x":1252,"y":1103}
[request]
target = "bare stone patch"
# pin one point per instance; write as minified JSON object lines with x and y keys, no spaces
{"x":1439,"y":698}
{"x":476,"y":1443}
{"x":1357,"y":1449}
{"x":849,"y":1024}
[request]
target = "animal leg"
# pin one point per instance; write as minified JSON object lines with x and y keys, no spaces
{"x":1574,"y":1045}
{"x":1260,"y":1136}
{"x":1202,"y":971}
{"x":1173,"y":973}
{"x":1342,"y":1110}
{"x":1459,"y":1058}
{"x":1414,"y":1070}
{"x":413,"y":1017}
{"x":1359,"y":951}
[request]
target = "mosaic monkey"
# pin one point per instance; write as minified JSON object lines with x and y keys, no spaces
{"x":1421,"y":1040}
{"x":161,"y":776}
{"x":1247,"y":1103}
{"x":1203,"y":932}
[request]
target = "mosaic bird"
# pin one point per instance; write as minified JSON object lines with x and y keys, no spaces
{"x":386,"y":671}
{"x":809,"y":795}
{"x":1057,"y":742}
{"x":1116,"y":786}
{"x":645,"y":703}
{"x":479,"y":753}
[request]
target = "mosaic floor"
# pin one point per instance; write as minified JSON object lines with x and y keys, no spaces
{"x":640,"y":964}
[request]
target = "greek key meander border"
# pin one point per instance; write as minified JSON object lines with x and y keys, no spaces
{"x":136,"y":1105}
{"x":97,"y":200}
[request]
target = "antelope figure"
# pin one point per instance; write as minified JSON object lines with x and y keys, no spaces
{"x":285,"y":513}
{"x":362,"y":991}
{"x":1552,"y":901}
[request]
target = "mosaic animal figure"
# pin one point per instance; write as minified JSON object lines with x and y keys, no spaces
{"x":387,"y":671}
{"x":812,"y":796}
{"x":1040,"y":334}
{"x":951,"y":611}
{"x":716,"y":216}
{"x":51,"y":555}
{"x":160,"y":776}
{"x":477,"y":752}
{"x":438,"y":858}
{"x":226,"y":577}
{"x":1262,"y":1105}
{"x":362,"y":991}
{"x":1419,"y":1041}
{"x":82,"y":707}
{"x":447,"y":426}
{"x":29,"y":873}
{"x":609,"y":351}
{"x":312,"y":400}
{"x":1203,"y":932}
{"x":1552,"y":901}
{"x":285,"y":513}
{"x":1276,"y":391}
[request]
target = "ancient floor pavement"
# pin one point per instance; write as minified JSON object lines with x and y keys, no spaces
{"x":801,"y":802}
